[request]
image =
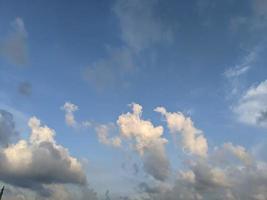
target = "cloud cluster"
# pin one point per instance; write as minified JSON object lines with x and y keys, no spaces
{"x":204,"y":179}
{"x":227,"y":172}
{"x":14,"y":46}
{"x":251,"y":107}
{"x":39,"y":161}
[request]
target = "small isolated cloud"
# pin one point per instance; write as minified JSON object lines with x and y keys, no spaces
{"x":39,"y":161}
{"x":251,"y":107}
{"x":14,"y":46}
{"x":7,"y":128}
{"x":25,"y":88}
{"x":69,"y":109}
{"x":193,"y":139}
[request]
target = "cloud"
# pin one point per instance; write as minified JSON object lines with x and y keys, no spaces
{"x":243,"y":67}
{"x":141,"y":131}
{"x":193,"y":140}
{"x":25,"y":88}
{"x":110,"y":70}
{"x":14,"y":46}
{"x":140,"y":26}
{"x":251,"y":107}
{"x":147,"y":140}
{"x":238,"y":151}
{"x":103,"y":132}
{"x":228,"y":172}
{"x":260,"y":8}
{"x":235,"y":75}
{"x":7,"y":128}
{"x":203,"y":180}
{"x":57,"y":191}
{"x":39,"y":161}
{"x":69,"y":109}
{"x":141,"y":29}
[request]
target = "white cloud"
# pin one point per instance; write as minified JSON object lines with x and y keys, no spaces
{"x":243,"y":67}
{"x":103,"y":132}
{"x":69,"y":109}
{"x":143,"y":132}
{"x":251,"y":107}
{"x":147,"y":140}
{"x":192,"y":138}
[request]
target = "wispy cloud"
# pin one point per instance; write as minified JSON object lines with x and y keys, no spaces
{"x":140,"y":29}
{"x":14,"y":47}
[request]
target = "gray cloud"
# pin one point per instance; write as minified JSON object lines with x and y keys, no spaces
{"x":110,"y":70}
{"x":7,"y":128}
{"x":25,"y":88}
{"x":141,"y":29}
{"x":140,"y":26}
{"x":156,"y":162}
{"x":14,"y":46}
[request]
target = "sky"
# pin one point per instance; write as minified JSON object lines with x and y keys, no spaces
{"x":133,"y":99}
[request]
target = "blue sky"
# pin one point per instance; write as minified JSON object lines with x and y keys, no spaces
{"x":203,"y":59}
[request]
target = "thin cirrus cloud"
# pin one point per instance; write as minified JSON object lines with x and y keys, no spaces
{"x":14,"y":46}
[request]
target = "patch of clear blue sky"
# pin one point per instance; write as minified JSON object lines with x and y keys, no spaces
{"x":64,"y":37}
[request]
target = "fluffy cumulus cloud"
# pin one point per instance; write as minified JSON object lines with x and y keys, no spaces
{"x":7,"y":128}
{"x":147,"y":140}
{"x":251,"y":107}
{"x":14,"y":46}
{"x":39,"y":161}
{"x":193,"y":141}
